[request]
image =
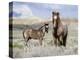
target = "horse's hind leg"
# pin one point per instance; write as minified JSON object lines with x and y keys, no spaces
{"x":27,"y":40}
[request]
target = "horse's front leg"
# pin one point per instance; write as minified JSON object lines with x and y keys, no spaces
{"x":60,"y":41}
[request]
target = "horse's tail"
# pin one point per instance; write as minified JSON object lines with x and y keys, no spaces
{"x":65,"y":38}
{"x":23,"y":34}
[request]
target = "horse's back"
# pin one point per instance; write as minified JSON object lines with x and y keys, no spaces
{"x":26,"y":33}
{"x":33,"y":33}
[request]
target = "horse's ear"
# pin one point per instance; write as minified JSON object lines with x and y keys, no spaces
{"x":52,"y":12}
{"x":57,"y":13}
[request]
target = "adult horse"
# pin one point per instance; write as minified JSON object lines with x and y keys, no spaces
{"x":60,"y":30}
{"x":36,"y":34}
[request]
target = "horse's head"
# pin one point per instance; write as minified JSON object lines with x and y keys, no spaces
{"x":46,"y":27}
{"x":55,"y":18}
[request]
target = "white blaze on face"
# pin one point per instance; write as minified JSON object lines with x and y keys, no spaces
{"x":55,"y":17}
{"x":47,"y":26}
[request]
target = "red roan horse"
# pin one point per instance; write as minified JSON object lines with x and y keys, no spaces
{"x":60,"y":31}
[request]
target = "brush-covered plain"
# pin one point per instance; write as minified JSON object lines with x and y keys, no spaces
{"x":20,"y":50}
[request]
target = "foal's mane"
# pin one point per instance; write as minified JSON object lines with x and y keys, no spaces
{"x":41,"y":27}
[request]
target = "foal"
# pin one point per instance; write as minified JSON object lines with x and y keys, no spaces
{"x":60,"y":30}
{"x":35,"y":33}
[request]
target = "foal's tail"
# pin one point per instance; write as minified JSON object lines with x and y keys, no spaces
{"x":24,"y":37}
{"x":23,"y":34}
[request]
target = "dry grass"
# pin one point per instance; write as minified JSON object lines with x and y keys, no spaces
{"x":48,"y":48}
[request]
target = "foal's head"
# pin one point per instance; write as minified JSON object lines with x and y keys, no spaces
{"x":55,"y":18}
{"x":46,"y":27}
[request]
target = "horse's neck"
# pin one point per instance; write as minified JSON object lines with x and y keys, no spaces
{"x":59,"y":22}
{"x":42,"y":30}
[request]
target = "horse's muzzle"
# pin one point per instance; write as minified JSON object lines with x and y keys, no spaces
{"x":46,"y":30}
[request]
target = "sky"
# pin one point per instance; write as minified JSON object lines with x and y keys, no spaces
{"x":42,"y":10}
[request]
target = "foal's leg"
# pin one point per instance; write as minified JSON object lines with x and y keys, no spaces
{"x":40,"y":41}
{"x":27,"y":40}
